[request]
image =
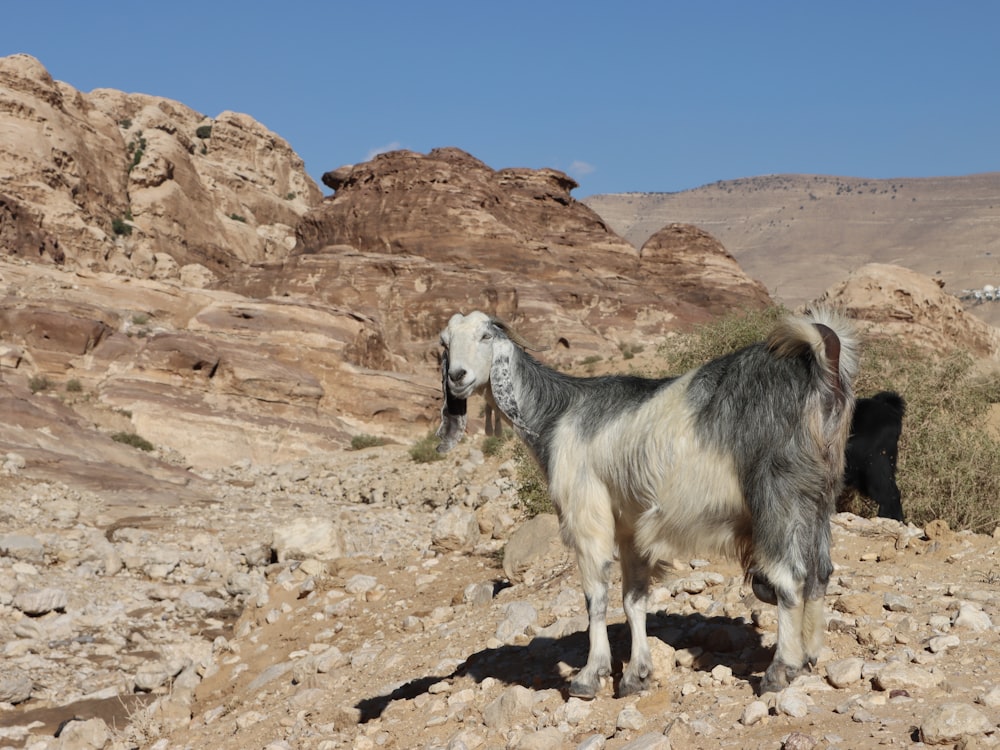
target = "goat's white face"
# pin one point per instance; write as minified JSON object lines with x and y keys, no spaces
{"x":468,"y":344}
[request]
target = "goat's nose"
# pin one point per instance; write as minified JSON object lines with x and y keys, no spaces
{"x":457,"y":375}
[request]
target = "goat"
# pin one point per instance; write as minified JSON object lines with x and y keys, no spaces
{"x":872,"y":450}
{"x":743,"y":456}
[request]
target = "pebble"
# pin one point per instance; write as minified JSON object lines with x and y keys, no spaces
{"x":497,"y":650}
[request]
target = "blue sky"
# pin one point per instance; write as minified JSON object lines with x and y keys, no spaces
{"x":624,"y":96}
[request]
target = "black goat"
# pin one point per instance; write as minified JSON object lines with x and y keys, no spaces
{"x":872,"y":450}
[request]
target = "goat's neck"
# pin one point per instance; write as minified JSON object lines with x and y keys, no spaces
{"x":531,"y":395}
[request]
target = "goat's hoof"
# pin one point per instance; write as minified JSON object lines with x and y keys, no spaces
{"x":585,"y":690}
{"x":775,"y":679}
{"x":632,"y":684}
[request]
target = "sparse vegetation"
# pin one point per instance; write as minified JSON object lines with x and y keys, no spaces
{"x":493,"y":445}
{"x":532,"y":489}
{"x":121,"y":227}
{"x":237,"y":217}
{"x":125,"y":123}
{"x":204,"y":132}
{"x":719,"y":337}
{"x":140,"y":319}
{"x":135,"y":149}
{"x":73,"y":386}
{"x":360,"y":442}
{"x":424,"y":451}
{"x":290,"y":196}
{"x":947,"y":455}
{"x":630,"y":350}
{"x":38,"y":383}
{"x":131,"y":438}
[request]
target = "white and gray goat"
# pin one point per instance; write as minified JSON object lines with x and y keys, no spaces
{"x":743,"y":457}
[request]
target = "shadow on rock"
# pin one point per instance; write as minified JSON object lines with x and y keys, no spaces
{"x":542,"y":663}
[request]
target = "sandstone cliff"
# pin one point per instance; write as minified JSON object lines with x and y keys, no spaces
{"x":141,"y":185}
{"x":180,"y":277}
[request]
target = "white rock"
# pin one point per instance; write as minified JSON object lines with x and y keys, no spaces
{"x":972,"y":618}
{"x":630,"y":718}
{"x":40,"y":601}
{"x":949,"y":723}
{"x":753,"y":712}
{"x":844,"y":672}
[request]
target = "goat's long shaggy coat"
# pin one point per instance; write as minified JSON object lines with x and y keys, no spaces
{"x":743,"y":456}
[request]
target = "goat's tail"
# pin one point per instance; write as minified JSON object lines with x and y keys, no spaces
{"x":831,"y":341}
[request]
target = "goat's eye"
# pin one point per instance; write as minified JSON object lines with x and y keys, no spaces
{"x":486,"y":336}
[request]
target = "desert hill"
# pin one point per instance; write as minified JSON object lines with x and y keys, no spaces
{"x":799,"y":234}
{"x":176,"y":282}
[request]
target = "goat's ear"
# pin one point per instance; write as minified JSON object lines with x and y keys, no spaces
{"x":502,"y":384}
{"x":453,"y":414}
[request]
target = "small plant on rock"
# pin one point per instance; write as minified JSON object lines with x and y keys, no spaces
{"x":131,"y":438}
{"x":39,"y":383}
{"x":424,"y":451}
{"x":532,"y":489}
{"x":360,"y":442}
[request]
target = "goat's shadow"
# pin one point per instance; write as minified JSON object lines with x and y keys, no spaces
{"x":711,"y":641}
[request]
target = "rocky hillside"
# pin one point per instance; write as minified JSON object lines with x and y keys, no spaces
{"x":176,"y":283}
{"x":800,"y":234}
{"x":358,"y":599}
{"x":179,"y":277}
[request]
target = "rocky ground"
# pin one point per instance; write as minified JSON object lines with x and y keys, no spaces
{"x":362,"y":600}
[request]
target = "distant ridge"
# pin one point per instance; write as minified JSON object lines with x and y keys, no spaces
{"x":798,"y":234}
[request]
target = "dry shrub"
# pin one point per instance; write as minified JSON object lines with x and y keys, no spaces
{"x":948,"y":457}
{"x":721,"y":336}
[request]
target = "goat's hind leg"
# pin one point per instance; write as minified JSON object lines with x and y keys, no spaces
{"x":635,"y":592}
{"x":595,"y":573}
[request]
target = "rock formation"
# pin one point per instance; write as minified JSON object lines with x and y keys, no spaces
{"x":140,"y":185}
{"x":184,"y":271}
{"x":896,"y":301}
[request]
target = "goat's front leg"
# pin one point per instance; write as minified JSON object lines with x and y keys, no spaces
{"x":789,"y":656}
{"x":595,"y":574}
{"x":635,"y":585}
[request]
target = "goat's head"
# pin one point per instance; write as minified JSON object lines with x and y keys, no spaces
{"x":477,"y":350}
{"x":466,"y":360}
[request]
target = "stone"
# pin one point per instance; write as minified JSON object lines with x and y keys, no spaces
{"x":844,"y":672}
{"x":456,"y":529}
{"x":41,"y":601}
{"x":949,"y":723}
{"x":303,"y":538}
{"x":533,"y":540}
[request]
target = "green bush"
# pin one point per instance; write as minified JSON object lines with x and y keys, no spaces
{"x":130,"y":438}
{"x":204,"y":131}
{"x":424,"y":451}
{"x":73,"y":386}
{"x":39,"y":383}
{"x":135,"y":149}
{"x":121,"y":228}
{"x":360,"y":442}
{"x":493,"y":445}
{"x":532,"y":489}
{"x":237,"y":217}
